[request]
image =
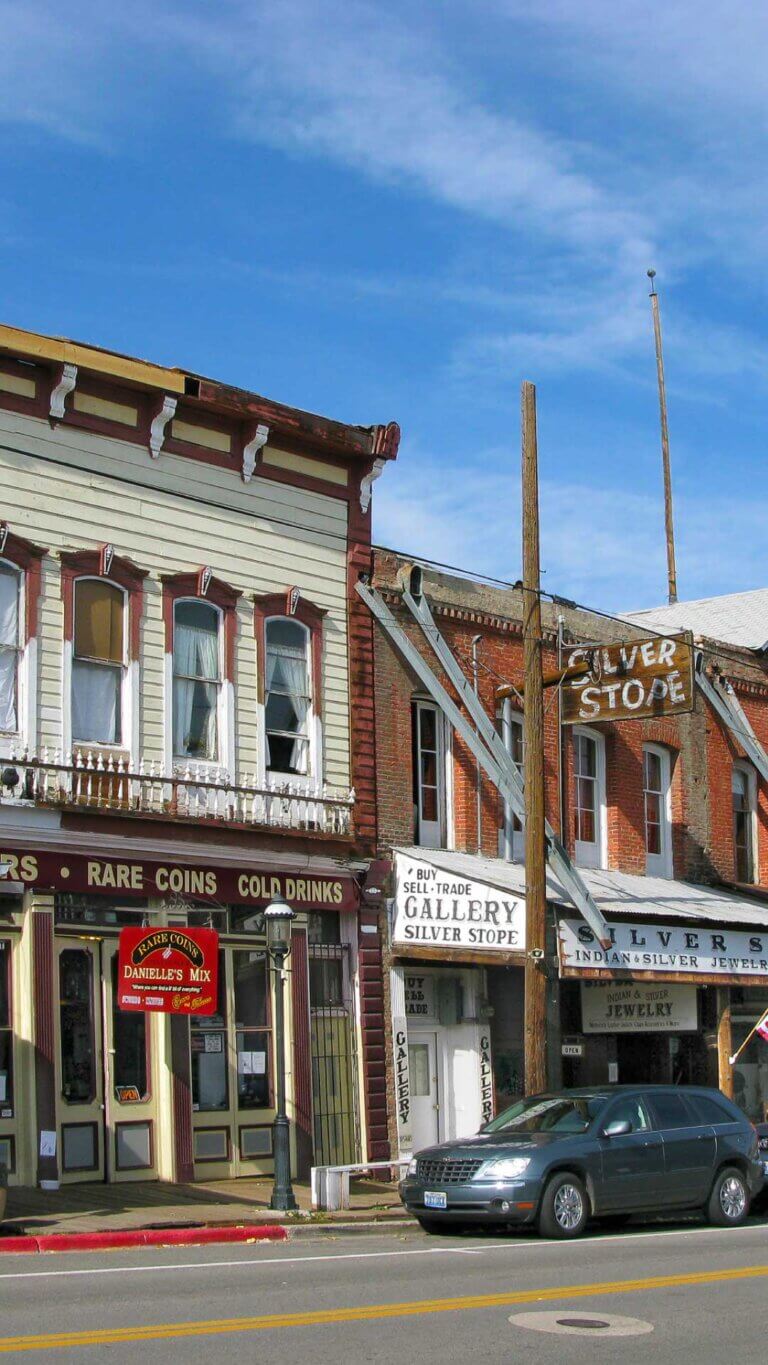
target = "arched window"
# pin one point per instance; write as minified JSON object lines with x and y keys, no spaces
{"x":196,"y":680}
{"x":288,"y":697}
{"x":743,"y":788}
{"x":98,"y":662}
{"x":10,"y":647}
{"x":589,"y":800}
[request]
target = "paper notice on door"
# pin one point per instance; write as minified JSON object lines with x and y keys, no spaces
{"x":213,"y":1042}
{"x":252,"y":1063}
{"x":47,"y":1143}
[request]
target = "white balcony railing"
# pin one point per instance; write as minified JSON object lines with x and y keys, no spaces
{"x":103,"y":782}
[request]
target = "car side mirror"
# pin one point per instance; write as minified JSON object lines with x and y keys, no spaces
{"x":618,"y":1128}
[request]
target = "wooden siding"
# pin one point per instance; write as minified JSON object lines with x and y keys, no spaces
{"x":260,"y":537}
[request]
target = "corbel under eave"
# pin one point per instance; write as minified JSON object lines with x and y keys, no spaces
{"x":367,"y":482}
{"x":65,"y":382}
{"x":252,"y":449}
{"x":159,"y":423}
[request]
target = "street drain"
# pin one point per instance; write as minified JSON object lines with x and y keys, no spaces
{"x":582,"y":1325}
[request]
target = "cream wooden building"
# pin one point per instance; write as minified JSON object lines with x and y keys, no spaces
{"x":185,"y":731}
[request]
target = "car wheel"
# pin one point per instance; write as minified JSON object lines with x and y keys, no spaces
{"x":564,"y":1207}
{"x":729,"y":1201}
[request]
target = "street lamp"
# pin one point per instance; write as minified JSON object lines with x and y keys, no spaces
{"x":279,"y":919}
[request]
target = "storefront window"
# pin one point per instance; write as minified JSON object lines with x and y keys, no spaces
{"x":750,"y":1072}
{"x":6,"y":1032}
{"x":252,"y":1023}
{"x":78,"y":1060}
{"x":326,"y":962}
{"x":208,"y":1043}
{"x":129,"y":1034}
{"x":96,"y":910}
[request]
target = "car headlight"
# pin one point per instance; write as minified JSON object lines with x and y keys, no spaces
{"x":506,"y":1168}
{"x":412,"y":1167}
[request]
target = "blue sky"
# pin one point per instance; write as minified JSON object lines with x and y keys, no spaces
{"x":401,"y":210}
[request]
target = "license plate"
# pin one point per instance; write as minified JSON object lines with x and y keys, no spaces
{"x":435,"y":1200}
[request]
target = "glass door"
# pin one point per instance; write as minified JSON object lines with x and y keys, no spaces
{"x":130,"y":1083}
{"x":80,"y":1062}
{"x":231,"y":1067}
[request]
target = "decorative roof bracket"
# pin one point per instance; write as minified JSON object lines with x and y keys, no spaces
{"x":252,"y":449}
{"x":66,"y":378}
{"x":159,"y":423}
{"x":367,"y":482}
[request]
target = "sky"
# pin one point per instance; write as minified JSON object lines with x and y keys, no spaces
{"x":401,"y":211}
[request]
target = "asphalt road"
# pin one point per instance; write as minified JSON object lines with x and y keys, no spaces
{"x":694,"y":1294}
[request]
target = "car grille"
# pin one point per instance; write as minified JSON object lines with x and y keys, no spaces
{"x":446,"y":1172}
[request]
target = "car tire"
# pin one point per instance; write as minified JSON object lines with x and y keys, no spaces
{"x":728,"y":1204}
{"x":564,"y":1206}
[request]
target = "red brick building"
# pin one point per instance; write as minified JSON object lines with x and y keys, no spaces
{"x":664,"y":818}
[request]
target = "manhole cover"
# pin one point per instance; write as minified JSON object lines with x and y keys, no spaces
{"x":594,"y":1323}
{"x":581,"y":1324}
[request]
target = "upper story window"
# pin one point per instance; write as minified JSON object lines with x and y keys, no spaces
{"x":743,"y":787}
{"x":512,"y":734}
{"x":288,"y":697}
{"x":10,"y":647}
{"x":589,"y":802}
{"x":196,"y":680}
{"x":98,"y":662}
{"x":658,"y":825}
{"x":429,"y":794}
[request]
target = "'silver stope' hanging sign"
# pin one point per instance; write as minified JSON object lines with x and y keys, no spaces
{"x":168,"y":971}
{"x":630,"y":681}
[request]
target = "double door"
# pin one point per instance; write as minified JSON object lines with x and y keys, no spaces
{"x":232,"y":1071}
{"x":106,"y":1071}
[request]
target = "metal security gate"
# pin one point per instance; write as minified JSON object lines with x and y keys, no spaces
{"x":334,"y":1055}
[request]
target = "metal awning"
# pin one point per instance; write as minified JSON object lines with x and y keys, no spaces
{"x":615,"y":893}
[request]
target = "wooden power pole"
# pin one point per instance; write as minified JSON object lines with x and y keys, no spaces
{"x":669,"y":524}
{"x":533,"y":735}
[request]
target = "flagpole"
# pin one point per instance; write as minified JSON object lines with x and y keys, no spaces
{"x":749,"y":1037}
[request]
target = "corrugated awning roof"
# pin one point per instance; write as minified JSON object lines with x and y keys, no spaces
{"x":736,"y":618}
{"x":616,"y":893}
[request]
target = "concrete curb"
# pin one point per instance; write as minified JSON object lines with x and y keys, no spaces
{"x":143,"y":1237}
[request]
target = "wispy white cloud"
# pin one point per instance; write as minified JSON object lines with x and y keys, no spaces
{"x":601,"y":546}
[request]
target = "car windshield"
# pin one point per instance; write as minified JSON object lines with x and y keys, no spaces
{"x":549,"y":1114}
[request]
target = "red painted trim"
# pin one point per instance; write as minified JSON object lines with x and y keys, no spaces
{"x":302,"y":1051}
{"x":267,"y":605}
{"x":122,"y":572}
{"x":306,"y":481}
{"x":218,"y":593}
{"x":198,"y":417}
{"x":28,"y":557}
{"x":44,"y":997}
{"x":105,"y":426}
{"x":16,"y":402}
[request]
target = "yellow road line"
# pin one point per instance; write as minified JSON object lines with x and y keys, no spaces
{"x":110,"y":1336}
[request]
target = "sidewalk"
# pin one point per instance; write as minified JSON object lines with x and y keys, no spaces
{"x":90,"y":1208}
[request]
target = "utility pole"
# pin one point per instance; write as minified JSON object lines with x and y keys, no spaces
{"x":668,"y":518}
{"x":533,"y":735}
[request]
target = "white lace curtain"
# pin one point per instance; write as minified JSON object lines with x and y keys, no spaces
{"x":196,"y":681}
{"x":96,"y":703}
{"x":9,"y":642}
{"x":287,"y":683}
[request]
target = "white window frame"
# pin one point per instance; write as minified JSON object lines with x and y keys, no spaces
{"x":741,"y":766}
{"x":314,"y":777}
{"x":436,"y":833}
{"x":588,"y":854}
{"x":26,"y":670}
{"x":512,"y":841}
{"x":129,"y":683}
{"x":660,"y":864}
{"x":223,"y":764}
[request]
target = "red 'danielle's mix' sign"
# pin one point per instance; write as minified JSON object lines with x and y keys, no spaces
{"x":172,"y":971}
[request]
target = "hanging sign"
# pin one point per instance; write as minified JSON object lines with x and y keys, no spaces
{"x":630,"y":681}
{"x":168,"y":971}
{"x":486,"y":1079}
{"x":638,"y":1007}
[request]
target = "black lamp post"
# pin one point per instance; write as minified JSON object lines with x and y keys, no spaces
{"x":279,"y":918}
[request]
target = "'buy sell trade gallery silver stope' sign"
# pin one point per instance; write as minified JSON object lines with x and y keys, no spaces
{"x":435,"y":908}
{"x":630,"y":681}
